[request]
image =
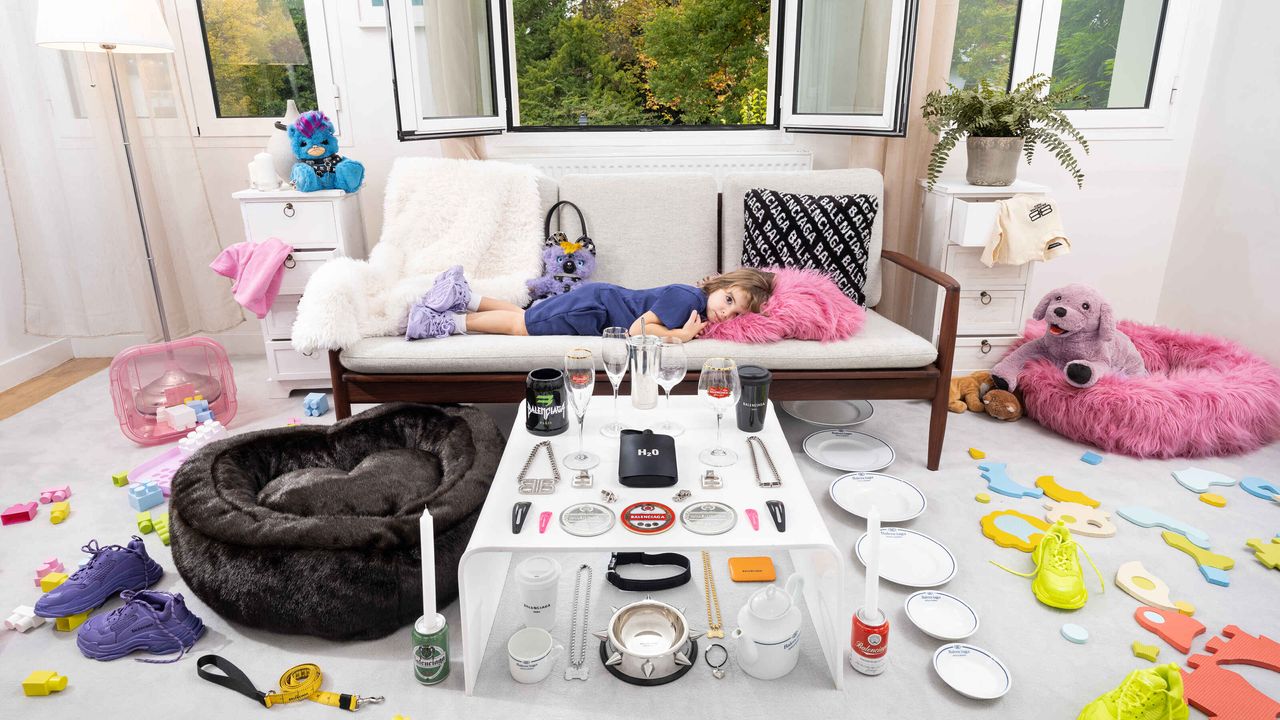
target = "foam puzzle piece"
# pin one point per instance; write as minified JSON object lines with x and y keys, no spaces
{"x":1146,"y":652}
{"x":1199,"y":481}
{"x":52,"y":580}
{"x":1077,"y":634}
{"x":1185,"y":607}
{"x":1143,"y":585}
{"x":1010,"y":528}
{"x":43,"y":682}
{"x":1203,"y":557}
{"x":145,"y":496}
{"x":59,"y":512}
{"x":1260,"y":488}
{"x":1146,"y":517}
{"x":19,"y":513}
{"x":1092,"y":458}
{"x":23,"y":619}
{"x":976,"y":454}
{"x":998,"y":480}
{"x":1173,"y":627}
{"x":1215,"y":576}
{"x":1213,"y":499}
{"x":982,"y":498}
{"x":1220,"y":692}
{"x":1061,"y":494}
{"x":55,"y":494}
{"x":1081,"y":519}
{"x":71,"y":622}
{"x":52,"y":565}
{"x":1267,"y":553}
{"x":120,"y":479}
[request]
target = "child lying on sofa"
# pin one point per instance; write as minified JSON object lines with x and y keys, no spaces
{"x":679,"y":311}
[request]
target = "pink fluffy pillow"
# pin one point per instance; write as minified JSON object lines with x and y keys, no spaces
{"x":805,"y":305}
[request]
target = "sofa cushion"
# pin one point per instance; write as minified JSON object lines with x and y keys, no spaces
{"x":880,"y":344}
{"x":650,"y":229}
{"x":816,"y":182}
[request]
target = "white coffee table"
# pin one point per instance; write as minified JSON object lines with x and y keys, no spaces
{"x":483,"y":569}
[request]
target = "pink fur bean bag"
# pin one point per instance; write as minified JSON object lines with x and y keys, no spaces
{"x":1202,"y":396}
{"x":805,"y":305}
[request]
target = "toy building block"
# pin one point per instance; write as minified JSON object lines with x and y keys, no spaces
{"x":1146,"y":652}
{"x":52,"y":565}
{"x":59,"y":512}
{"x":204,"y":416}
{"x":120,"y":479}
{"x":315,"y":404}
{"x":178,"y":417}
{"x":161,"y":525}
{"x":1092,"y":458}
{"x":52,"y":580}
{"x":208,"y":431}
{"x":71,"y":622}
{"x":43,"y":682}
{"x":22,"y":619}
{"x":175,"y":395}
{"x":18,"y":513}
{"x":198,"y":406}
{"x":145,"y":496}
{"x":145,"y":524}
{"x":55,"y":494}
{"x":197,"y":396}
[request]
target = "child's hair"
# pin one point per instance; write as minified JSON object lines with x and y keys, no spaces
{"x":758,"y":284}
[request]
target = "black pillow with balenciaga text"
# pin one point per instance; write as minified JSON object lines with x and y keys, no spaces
{"x":828,"y":233}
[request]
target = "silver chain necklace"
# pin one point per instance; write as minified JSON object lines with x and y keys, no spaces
{"x":752,"y":442}
{"x":538,"y":486}
{"x":577,"y":669}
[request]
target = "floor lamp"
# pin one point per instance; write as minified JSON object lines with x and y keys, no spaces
{"x":124,"y":26}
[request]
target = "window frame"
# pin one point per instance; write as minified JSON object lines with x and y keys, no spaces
{"x":194,"y":58}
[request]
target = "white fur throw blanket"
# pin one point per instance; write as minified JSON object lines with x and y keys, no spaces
{"x":482,"y":215}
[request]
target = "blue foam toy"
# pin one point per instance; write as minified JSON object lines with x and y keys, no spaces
{"x":1215,"y":576}
{"x":999,"y":481}
{"x":145,"y":496}
{"x":1146,"y":517}
{"x":1092,"y":458}
{"x":1199,"y":481}
{"x":1260,"y":488}
{"x":1075,"y":633}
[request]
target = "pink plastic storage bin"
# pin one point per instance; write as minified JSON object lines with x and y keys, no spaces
{"x":135,"y":370}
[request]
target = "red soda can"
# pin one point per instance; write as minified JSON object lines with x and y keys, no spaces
{"x":870,"y":641}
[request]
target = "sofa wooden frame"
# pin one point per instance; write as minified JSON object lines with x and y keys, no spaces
{"x":930,"y":382}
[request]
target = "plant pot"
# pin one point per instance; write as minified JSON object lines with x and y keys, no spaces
{"x":993,"y":160}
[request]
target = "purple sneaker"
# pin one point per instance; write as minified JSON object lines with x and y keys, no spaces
{"x":111,"y":570}
{"x":157,"y":622}
{"x":449,"y":294}
{"x":427,"y":323}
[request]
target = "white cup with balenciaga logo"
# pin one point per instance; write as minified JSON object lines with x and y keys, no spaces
{"x":531,"y":653}
{"x":537,"y":584}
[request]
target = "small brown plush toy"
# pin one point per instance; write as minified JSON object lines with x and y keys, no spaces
{"x":976,"y":392}
{"x":1002,"y":405}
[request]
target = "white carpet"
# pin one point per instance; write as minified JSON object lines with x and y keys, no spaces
{"x":73,"y":439}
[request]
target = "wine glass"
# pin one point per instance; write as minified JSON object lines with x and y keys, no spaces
{"x":673,"y":363}
{"x":614,"y":355}
{"x":719,"y":387}
{"x":580,"y":379}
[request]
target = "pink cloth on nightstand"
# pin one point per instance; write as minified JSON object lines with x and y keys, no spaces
{"x":256,"y":270}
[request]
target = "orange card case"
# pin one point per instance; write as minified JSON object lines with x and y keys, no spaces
{"x":751,"y":569}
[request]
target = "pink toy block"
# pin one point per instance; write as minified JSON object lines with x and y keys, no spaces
{"x":175,"y":395}
{"x":18,"y":513}
{"x":23,"y":618}
{"x":55,"y":494}
{"x":51,"y":565}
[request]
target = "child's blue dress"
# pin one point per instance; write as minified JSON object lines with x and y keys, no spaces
{"x":591,"y":308}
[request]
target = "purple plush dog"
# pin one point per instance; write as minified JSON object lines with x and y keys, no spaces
{"x":1081,"y":338}
{"x":565,"y":265}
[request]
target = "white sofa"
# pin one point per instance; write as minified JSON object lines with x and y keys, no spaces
{"x":654,"y":229}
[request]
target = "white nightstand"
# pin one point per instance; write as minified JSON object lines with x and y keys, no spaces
{"x":319,"y":225}
{"x":954,"y":226}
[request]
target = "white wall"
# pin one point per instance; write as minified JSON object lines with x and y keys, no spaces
{"x":1225,"y":259}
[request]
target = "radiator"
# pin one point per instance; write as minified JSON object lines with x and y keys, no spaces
{"x":718,"y":161}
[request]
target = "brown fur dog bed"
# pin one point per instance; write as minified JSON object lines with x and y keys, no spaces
{"x":314,"y":530}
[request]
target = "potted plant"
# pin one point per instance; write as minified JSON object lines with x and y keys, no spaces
{"x":999,"y":125}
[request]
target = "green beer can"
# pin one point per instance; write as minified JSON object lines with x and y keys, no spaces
{"x":431,"y":650}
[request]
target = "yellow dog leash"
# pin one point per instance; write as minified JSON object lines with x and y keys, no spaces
{"x":300,"y":682}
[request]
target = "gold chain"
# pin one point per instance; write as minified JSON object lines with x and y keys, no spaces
{"x":714,"y":627}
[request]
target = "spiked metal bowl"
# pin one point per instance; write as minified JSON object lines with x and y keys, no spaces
{"x":648,"y":640}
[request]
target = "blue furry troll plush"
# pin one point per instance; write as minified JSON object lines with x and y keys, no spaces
{"x":319,"y":165}
{"x":565,"y":264}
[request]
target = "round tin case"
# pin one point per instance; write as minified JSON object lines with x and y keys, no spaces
{"x":586,"y":519}
{"x":648,"y":518}
{"x":709,"y":518}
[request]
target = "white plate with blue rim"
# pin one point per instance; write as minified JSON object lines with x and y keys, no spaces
{"x":941,"y":615}
{"x":830,"y":413}
{"x":910,"y":558}
{"x":897,"y":499}
{"x":972,"y":671}
{"x":848,"y":450}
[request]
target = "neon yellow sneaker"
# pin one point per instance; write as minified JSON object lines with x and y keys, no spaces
{"x":1153,"y":693}
{"x":1058,"y":579}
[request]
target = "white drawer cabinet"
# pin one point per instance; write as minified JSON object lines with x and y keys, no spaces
{"x":956,"y":221}
{"x":319,"y":226}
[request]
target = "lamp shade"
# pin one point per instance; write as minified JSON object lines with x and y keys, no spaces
{"x":127,"y":26}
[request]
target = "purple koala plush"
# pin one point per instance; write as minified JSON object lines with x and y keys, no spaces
{"x":1081,"y":338}
{"x":565,"y":265}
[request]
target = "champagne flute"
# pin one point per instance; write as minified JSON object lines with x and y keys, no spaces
{"x":673,"y":363}
{"x":614,"y":355}
{"x":580,"y":379}
{"x":719,"y":387}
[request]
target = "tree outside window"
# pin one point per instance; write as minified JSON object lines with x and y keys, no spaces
{"x":259,"y":56}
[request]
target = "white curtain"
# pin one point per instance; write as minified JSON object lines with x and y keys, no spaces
{"x":83,"y":266}
{"x":458,"y":82}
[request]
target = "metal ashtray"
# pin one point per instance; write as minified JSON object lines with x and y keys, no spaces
{"x":648,"y":643}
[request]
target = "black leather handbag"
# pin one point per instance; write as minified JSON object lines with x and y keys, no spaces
{"x":559,"y":236}
{"x":646,"y":459}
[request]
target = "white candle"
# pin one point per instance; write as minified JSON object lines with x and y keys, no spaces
{"x":262,"y":173}
{"x":871,"y":601}
{"x":428,"y":542}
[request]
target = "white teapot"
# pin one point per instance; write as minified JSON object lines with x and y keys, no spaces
{"x":768,"y":633}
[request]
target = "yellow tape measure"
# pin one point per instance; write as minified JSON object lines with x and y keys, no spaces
{"x":300,"y":682}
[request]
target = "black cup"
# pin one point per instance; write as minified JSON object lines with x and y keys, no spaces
{"x":753,"y":405}
{"x":545,"y":412}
